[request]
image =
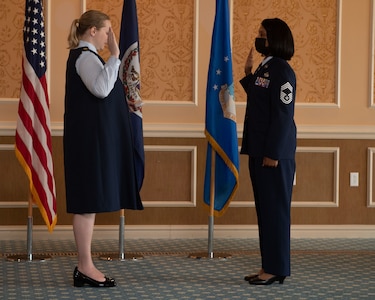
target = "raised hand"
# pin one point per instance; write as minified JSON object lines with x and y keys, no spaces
{"x":249,"y":61}
{"x":112,"y":44}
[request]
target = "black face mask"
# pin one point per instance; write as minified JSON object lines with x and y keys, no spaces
{"x":260,"y":46}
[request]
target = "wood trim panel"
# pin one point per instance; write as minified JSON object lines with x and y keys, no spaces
{"x":370,"y":177}
{"x":160,"y":164}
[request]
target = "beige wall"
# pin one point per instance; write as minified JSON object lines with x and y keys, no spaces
{"x":333,"y":48}
{"x":334,"y":112}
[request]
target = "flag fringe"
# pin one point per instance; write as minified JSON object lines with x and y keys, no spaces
{"x":230,"y":165}
{"x":34,"y":193}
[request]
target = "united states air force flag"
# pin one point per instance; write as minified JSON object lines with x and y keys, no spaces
{"x":221,"y":127}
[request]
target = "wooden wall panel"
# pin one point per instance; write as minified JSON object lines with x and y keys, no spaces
{"x":316,"y":180}
{"x":14,"y":183}
{"x":167,"y":164}
{"x":169,"y":180}
{"x":336,"y":87}
{"x":371,"y":177}
{"x":316,"y":168}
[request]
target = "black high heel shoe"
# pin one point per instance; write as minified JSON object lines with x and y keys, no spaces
{"x":259,"y":281}
{"x":250,"y":277}
{"x":80,"y":279}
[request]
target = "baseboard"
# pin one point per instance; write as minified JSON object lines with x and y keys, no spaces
{"x":40,"y":232}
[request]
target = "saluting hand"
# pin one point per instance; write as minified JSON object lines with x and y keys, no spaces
{"x":112,"y":44}
{"x":249,"y":61}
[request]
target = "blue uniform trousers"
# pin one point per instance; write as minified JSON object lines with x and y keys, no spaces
{"x":273,"y":193}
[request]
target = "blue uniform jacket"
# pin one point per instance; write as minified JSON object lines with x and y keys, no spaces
{"x":269,"y":128}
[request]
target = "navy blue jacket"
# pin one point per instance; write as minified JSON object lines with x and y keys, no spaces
{"x":269,"y":128}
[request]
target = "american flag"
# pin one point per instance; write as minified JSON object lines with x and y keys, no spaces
{"x":33,"y":136}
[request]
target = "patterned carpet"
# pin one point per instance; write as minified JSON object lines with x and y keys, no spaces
{"x":165,"y":269}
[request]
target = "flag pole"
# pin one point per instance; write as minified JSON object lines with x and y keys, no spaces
{"x":121,"y":250}
{"x":33,"y":142}
{"x":29,"y":256}
{"x":29,"y":241}
{"x":121,"y":254}
{"x":220,"y":129}
{"x":212,"y":206}
{"x":129,"y":73}
{"x":211,"y":216}
{"x":30,"y":230}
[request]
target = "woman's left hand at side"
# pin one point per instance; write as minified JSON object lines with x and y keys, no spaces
{"x":269,"y":162}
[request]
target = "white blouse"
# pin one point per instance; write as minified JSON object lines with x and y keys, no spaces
{"x":98,"y":78}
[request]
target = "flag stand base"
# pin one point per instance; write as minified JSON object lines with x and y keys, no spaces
{"x":217,"y":255}
{"x":210,"y":254}
{"x":123,"y":256}
{"x":26,"y":257}
{"x":29,"y":256}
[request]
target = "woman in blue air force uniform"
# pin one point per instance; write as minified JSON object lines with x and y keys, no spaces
{"x":269,"y":138}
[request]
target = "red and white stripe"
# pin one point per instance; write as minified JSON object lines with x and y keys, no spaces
{"x":33,"y":142}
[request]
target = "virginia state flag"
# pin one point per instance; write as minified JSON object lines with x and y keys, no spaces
{"x":130,"y":75}
{"x":221,"y":127}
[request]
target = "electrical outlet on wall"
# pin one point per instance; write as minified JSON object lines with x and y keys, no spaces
{"x":354,"y":179}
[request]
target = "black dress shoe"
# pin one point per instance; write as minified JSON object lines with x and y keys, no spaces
{"x":80,"y":279}
{"x":250,"y":277}
{"x":259,"y":281}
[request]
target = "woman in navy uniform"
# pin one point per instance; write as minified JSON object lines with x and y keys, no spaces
{"x":269,"y":138}
{"x":98,"y":149}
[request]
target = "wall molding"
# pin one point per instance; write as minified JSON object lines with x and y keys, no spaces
{"x":372,"y":56}
{"x":193,"y":176}
{"x":336,"y":178}
{"x":370,"y":177}
{"x":109,"y":232}
{"x":196,"y":130}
